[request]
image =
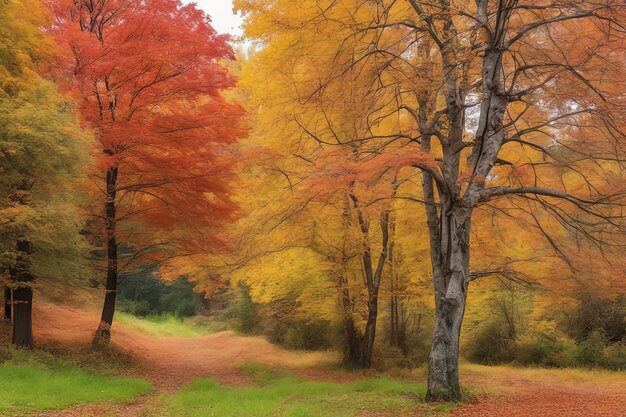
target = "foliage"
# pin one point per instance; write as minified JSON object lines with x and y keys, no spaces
{"x":533,"y":339}
{"x":165,"y":128}
{"x":593,"y":313}
{"x":541,"y":349}
{"x":500,"y":107}
{"x":146,"y":295}
{"x":43,"y":152}
{"x":279,"y":321}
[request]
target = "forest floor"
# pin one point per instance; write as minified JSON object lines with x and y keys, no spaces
{"x":171,"y":362}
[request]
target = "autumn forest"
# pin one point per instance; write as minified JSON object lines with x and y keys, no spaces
{"x":345,"y":208}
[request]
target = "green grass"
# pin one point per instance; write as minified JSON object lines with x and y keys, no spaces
{"x":287,"y":396}
{"x":33,"y":381}
{"x":168,"y":325}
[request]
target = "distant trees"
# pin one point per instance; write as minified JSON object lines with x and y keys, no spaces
{"x":42,"y":152}
{"x":148,"y":77}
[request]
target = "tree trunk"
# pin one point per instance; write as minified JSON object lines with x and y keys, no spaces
{"x":8,"y":303}
{"x":22,"y":300}
{"x":103,"y":334}
{"x":352,"y":342}
{"x":450,"y":298}
{"x":367,"y":346}
{"x":23,"y":314}
{"x":372,"y":279}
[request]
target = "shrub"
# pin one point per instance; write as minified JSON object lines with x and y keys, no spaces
{"x":243,"y":310}
{"x":589,"y":352}
{"x":490,"y":345}
{"x":540,"y":349}
{"x":596,"y":313}
{"x":614,"y":357}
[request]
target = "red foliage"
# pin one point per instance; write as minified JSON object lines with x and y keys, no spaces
{"x":341,"y":170}
{"x":149,"y":81}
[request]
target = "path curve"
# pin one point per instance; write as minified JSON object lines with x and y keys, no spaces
{"x":169,"y":362}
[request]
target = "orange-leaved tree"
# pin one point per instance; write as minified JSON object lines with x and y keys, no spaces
{"x":150,"y":83}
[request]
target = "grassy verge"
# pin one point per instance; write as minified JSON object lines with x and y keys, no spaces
{"x":281,"y":394}
{"x":168,"y":325}
{"x":34,"y":381}
{"x":561,"y":375}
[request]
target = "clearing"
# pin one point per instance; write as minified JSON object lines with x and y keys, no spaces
{"x":171,"y":363}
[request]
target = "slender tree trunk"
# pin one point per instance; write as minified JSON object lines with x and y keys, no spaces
{"x":373,"y":279}
{"x":22,"y":299}
{"x":397,"y":325}
{"x":393,"y":313}
{"x":352,"y":337}
{"x":103,"y":334}
{"x":8,"y":303}
{"x":369,"y":336}
{"x":352,"y":342}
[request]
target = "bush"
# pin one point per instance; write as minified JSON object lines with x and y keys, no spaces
{"x":279,"y":322}
{"x":243,"y":310}
{"x":309,"y":335}
{"x":594,"y":313}
{"x":590,"y":351}
{"x":540,"y":349}
{"x":490,"y":345}
{"x":614,"y":357}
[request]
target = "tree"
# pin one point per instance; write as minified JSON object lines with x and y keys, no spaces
{"x":43,"y":157}
{"x":150,"y":83}
{"x":517,"y":103}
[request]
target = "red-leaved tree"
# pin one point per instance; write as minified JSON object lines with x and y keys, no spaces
{"x":149,"y":81}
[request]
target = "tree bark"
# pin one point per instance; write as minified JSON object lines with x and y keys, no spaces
{"x":450,"y":299}
{"x":7,"y":303}
{"x":369,"y":336}
{"x":352,"y":342}
{"x":22,"y":299}
{"x":103,"y":334}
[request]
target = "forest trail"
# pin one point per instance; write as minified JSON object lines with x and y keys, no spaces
{"x":526,"y":392}
{"x":169,"y":362}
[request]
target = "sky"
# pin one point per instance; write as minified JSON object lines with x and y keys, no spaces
{"x":221,"y":12}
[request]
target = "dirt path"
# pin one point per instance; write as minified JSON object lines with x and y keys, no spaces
{"x":512,"y":392}
{"x":170,"y":362}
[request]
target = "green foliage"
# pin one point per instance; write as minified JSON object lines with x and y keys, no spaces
{"x":35,"y":381}
{"x":614,"y":357}
{"x":288,"y":396}
{"x":244,"y":310}
{"x":503,"y":338}
{"x":490,"y":345}
{"x":541,"y":349}
{"x":146,"y":295}
{"x":181,"y":299}
{"x":590,"y":350}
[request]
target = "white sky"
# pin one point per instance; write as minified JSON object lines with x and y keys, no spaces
{"x":221,"y":12}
